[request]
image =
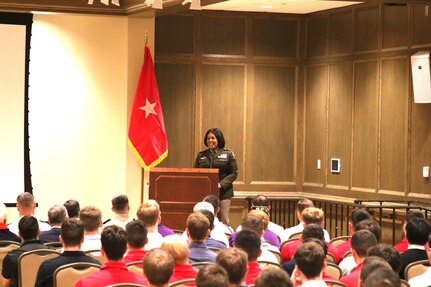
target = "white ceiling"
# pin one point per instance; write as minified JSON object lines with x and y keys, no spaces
{"x":279,"y":6}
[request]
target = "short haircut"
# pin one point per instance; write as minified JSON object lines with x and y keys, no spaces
{"x":310,"y":258}
{"x":370,"y":264}
{"x":234,"y":261}
{"x":303,"y":203}
{"x":91,"y":217}
{"x":203,"y":205}
{"x":219,"y":136}
{"x":25,"y":200}
{"x":362,"y":240}
{"x":260,"y":202}
{"x":57,"y":214}
{"x":28,"y":227}
{"x":198,"y":226}
{"x":313,"y":215}
{"x":136,"y":234}
{"x":371,"y":225}
{"x":262,"y":215}
{"x":158,"y":266}
{"x":359,"y":214}
{"x":72,"y":232}
{"x":382,"y":277}
{"x":212,"y":276}
{"x":120,"y":202}
{"x":72,"y":207}
{"x":318,"y":241}
{"x":177,"y":247}
{"x":208,"y":215}
{"x":417,"y":231}
{"x":114,"y":242}
{"x":215,"y":202}
{"x":3,"y":212}
{"x":148,"y":213}
{"x":250,"y":242}
{"x":414,"y":213}
{"x":388,"y":253}
{"x":252,"y":223}
{"x":273,"y":277}
{"x":313,"y":231}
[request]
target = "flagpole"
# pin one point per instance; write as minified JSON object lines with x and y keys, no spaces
{"x":146,"y":38}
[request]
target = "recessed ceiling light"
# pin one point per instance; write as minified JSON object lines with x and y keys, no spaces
{"x":266,"y":7}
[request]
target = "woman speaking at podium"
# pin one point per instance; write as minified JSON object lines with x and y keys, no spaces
{"x":217,"y":156}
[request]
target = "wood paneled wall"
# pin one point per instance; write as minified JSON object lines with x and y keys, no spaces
{"x":289,"y":90}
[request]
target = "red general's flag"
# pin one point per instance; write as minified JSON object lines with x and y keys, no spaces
{"x":147,"y":136}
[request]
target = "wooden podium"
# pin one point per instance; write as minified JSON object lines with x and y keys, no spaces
{"x":178,"y":189}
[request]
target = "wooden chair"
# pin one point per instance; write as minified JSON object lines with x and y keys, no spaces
{"x":416,"y":268}
{"x":29,"y":262}
{"x":5,"y":247}
{"x":96,"y":254}
{"x":268,"y":264}
{"x":182,"y":282}
{"x":333,"y":270}
{"x":334,"y":283}
{"x":338,"y":240}
{"x":136,"y":267}
{"x":67,"y":275}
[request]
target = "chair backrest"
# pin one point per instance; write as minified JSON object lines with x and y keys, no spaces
{"x":277,"y":255}
{"x":295,"y":235}
{"x":333,"y":270}
{"x":182,"y":282}
{"x":29,"y":262}
{"x":268,"y":264}
{"x":347,"y":254}
{"x":416,"y":268}
{"x":5,"y":247}
{"x":286,"y":242}
{"x":404,"y":283}
{"x":338,"y":240}
{"x":200,"y":265}
{"x":334,"y":283}
{"x":125,"y":285}
{"x":67,"y":275}
{"x":136,"y":267}
{"x":54,"y":245}
{"x":96,"y":254}
{"x":214,"y":249}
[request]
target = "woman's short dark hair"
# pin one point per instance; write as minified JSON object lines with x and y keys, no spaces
{"x":219,"y":136}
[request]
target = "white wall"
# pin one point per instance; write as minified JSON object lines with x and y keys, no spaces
{"x":83,"y":75}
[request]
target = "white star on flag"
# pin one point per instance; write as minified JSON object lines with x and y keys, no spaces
{"x":148,"y":108}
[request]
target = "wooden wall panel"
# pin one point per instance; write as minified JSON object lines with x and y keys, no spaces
{"x":223,"y":96}
{"x":317,"y":36}
{"x":340,"y":121}
{"x":316,"y":87}
{"x":395,"y":23}
{"x":341,"y":33}
{"x":393,"y":127}
{"x":174,"y":34}
{"x":364,"y":173}
{"x":223,"y":35}
{"x":421,"y":25}
{"x":176,"y":96}
{"x":274,"y":37}
{"x":273,"y":117}
{"x":367,"y":29}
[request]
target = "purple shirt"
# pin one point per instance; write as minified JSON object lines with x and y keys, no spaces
{"x":269,"y":236}
{"x":164,"y":231}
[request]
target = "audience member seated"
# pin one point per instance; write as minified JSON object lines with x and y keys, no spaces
{"x":404,"y":244}
{"x":162,"y":229}
{"x":149,"y":213}
{"x":71,"y":237}
{"x":423,"y":280}
{"x":26,"y":205}
{"x":362,"y":240}
{"x":73,"y":208}
{"x":136,"y":240}
{"x":382,"y":277}
{"x":217,"y":232}
{"x":234,"y":261}
{"x":310,"y":263}
{"x":356,"y":216}
{"x":371,"y":263}
{"x":250,"y":242}
{"x":5,"y":233}
{"x":220,"y":227}
{"x":91,"y":218}
{"x":212,"y":276}
{"x":273,"y":277}
{"x":56,"y":216}
{"x":197,"y":231}
{"x":158,"y":267}
{"x":417,"y":232}
{"x":177,"y":247}
{"x":28,"y":230}
{"x":388,"y":253}
{"x":261,"y":202}
{"x":114,"y":271}
{"x":121,"y":208}
{"x":209,"y":241}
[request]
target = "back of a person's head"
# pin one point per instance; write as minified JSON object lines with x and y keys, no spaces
{"x":91,"y":217}
{"x":260,"y":202}
{"x":250,"y":242}
{"x":198,"y":226}
{"x":57,"y":214}
{"x":252,"y":223}
{"x":72,"y":207}
{"x":414,"y":213}
{"x":417,"y":231}
{"x":313,"y":215}
{"x":359,"y":214}
{"x":120,"y":203}
{"x":234,"y":261}
{"x":370,"y":264}
{"x":371,"y":225}
{"x":209,"y":215}
{"x":158,"y":266}
{"x":215,"y":202}
{"x":148,"y":213}
{"x":313,"y":231}
{"x":72,"y":232}
{"x":3,"y":213}
{"x":28,"y":227}
{"x":25,"y":200}
{"x":273,"y":277}
{"x":303,"y":203}
{"x":114,"y":242}
{"x":212,"y":276}
{"x":310,"y":258}
{"x":203,"y":205}
{"x":318,"y":241}
{"x":136,"y":234}
{"x":362,"y":240}
{"x":382,"y":277}
{"x":388,"y":253}
{"x":262,"y":215}
{"x":177,"y":247}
